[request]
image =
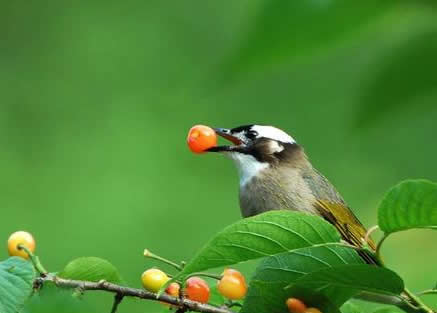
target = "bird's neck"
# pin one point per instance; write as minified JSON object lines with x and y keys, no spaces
{"x":248,"y":167}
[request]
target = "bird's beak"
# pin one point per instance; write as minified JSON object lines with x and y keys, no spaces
{"x":227,"y":134}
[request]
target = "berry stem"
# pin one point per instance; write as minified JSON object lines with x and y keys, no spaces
{"x":151,"y":255}
{"x":204,"y":274}
{"x":34,"y":259}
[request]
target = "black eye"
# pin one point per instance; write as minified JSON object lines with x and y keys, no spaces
{"x":251,"y":134}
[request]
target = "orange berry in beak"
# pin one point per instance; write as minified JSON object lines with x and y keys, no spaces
{"x":200,"y":138}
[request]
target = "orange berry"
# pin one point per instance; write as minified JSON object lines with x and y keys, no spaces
{"x":20,"y":237}
{"x":173,"y":289}
{"x":197,"y":289}
{"x":232,"y":286}
{"x":296,"y":306}
{"x":153,"y":279}
{"x":312,"y":310}
{"x":231,"y":271}
{"x":201,"y":138}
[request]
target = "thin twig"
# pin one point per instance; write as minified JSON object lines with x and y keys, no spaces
{"x":117,"y":300}
{"x":133,"y":292}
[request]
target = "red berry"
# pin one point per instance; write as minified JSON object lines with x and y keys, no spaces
{"x":197,"y":289}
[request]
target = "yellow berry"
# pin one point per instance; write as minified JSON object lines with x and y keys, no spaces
{"x":20,"y":238}
{"x":153,"y":279}
{"x":232,"y":285}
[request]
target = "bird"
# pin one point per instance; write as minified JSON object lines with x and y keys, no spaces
{"x":275,"y":173}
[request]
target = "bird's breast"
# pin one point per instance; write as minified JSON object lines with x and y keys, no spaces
{"x":274,"y":191}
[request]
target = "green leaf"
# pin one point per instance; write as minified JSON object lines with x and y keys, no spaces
{"x":259,"y":236}
{"x":215,"y":297}
{"x":391,"y":309}
{"x":350,"y":307}
{"x":410,"y":204}
{"x":269,"y":297}
{"x":267,"y":292}
{"x":355,"y":277}
{"x":91,"y":269}
{"x":16,"y":279}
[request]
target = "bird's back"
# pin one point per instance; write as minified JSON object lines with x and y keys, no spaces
{"x":301,"y":188}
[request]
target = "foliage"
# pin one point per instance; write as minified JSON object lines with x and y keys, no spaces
{"x":95,"y":99}
{"x":411,"y":204}
{"x":91,"y":269}
{"x":259,"y":236}
{"x":303,"y":258}
{"x":16,"y":278}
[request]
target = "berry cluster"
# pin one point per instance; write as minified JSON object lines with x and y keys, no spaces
{"x":231,"y":285}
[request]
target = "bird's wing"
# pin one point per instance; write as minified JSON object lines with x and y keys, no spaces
{"x":345,"y":221}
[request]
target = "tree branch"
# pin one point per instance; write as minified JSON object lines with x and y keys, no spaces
{"x":122,"y":291}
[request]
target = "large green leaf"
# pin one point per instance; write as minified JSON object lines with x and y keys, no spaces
{"x":259,"y":236}
{"x":270,"y":297}
{"x":349,"y":307}
{"x":410,"y":204}
{"x":354,"y":277}
{"x":16,"y":278}
{"x":268,"y":293}
{"x":91,"y":269}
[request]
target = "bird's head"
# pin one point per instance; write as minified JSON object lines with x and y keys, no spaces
{"x":255,"y":148}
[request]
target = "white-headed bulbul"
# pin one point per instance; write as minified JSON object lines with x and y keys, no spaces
{"x":275,"y":173}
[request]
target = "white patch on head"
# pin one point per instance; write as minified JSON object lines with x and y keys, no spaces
{"x":247,"y":166}
{"x":273,"y":133}
{"x":275,"y":147}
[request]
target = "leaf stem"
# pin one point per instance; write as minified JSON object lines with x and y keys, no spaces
{"x":151,"y":255}
{"x":427,"y":292}
{"x":34,"y":259}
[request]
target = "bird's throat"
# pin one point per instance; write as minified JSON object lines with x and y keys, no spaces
{"x":248,"y":167}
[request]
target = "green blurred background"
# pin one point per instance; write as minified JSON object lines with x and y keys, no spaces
{"x":97,"y":98}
